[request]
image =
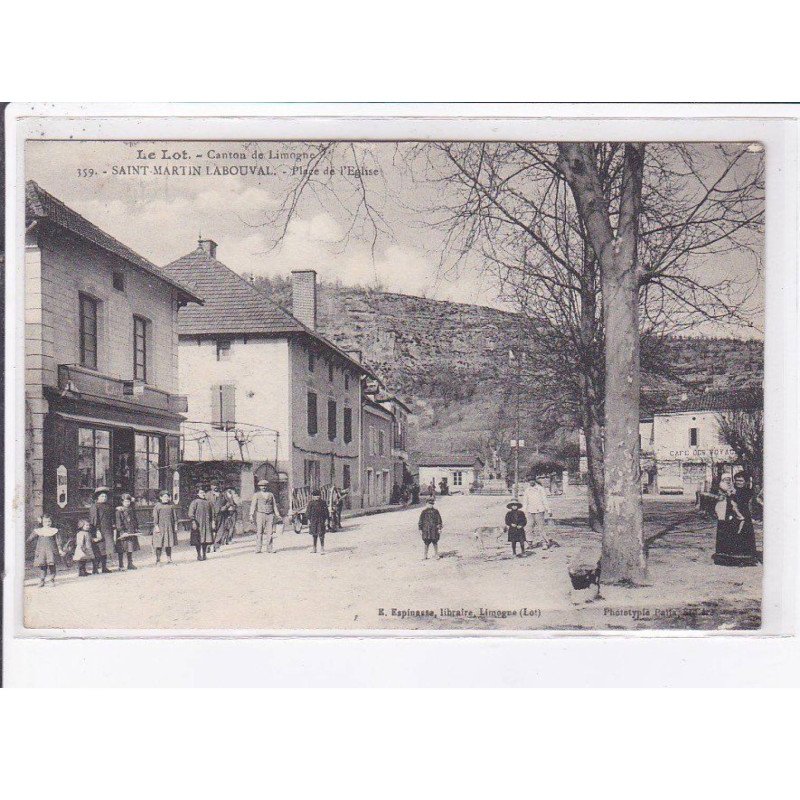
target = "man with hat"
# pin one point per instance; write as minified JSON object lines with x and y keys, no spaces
{"x":200,"y":519}
{"x":537,"y":507}
{"x":263,"y":508}
{"x":515,"y":527}
{"x":317,"y":513}
{"x":430,"y":524}
{"x":101,"y":518}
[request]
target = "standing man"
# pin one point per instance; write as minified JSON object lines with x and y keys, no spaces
{"x":317,"y":513}
{"x":263,"y":509}
{"x":201,"y":521}
{"x":217,"y":501}
{"x":537,"y":508}
{"x":101,"y":518}
{"x":430,"y":525}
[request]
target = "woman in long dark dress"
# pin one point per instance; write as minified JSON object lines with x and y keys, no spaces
{"x":200,"y":516}
{"x":165,"y":527}
{"x":733,"y":549}
{"x":127,"y":531}
{"x":743,"y":497}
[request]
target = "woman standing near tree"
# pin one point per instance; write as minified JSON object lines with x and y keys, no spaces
{"x":731,"y":550}
{"x":743,"y":497}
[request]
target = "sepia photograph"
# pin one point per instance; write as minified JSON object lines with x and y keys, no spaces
{"x":442,"y":386}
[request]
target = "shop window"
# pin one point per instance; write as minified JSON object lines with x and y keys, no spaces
{"x":348,"y":425}
{"x":147,"y":467}
{"x":332,"y":419}
{"x":312,"y":414}
{"x":88,"y":330}
{"x":223,"y":407}
{"x":139,"y":349}
{"x":94,"y":461}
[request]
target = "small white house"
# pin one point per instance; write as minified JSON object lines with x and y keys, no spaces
{"x":460,"y":473}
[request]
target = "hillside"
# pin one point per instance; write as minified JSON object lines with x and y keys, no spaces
{"x":450,"y":360}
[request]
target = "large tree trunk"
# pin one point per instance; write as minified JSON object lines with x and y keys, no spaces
{"x":623,"y":557}
{"x":593,"y":434}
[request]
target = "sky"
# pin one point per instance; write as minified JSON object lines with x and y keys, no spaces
{"x":162,"y":216}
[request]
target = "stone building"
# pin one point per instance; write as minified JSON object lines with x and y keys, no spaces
{"x":268,"y":397}
{"x":377,"y":459}
{"x":460,"y":472}
{"x":101,"y":364}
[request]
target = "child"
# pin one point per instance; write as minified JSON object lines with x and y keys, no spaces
{"x":83,"y":547}
{"x":47,"y":547}
{"x":430,"y":523}
{"x":317,"y":513}
{"x":165,"y":527}
{"x":515,"y":527}
{"x":126,"y":530}
{"x":200,"y":514}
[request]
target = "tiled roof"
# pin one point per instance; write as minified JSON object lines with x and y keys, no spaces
{"x":448,"y":461}
{"x":719,"y":400}
{"x":233,"y":306}
{"x":41,"y":205}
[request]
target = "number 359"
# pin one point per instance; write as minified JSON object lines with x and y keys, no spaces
{"x":86,"y":172}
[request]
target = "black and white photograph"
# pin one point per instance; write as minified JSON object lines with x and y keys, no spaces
{"x":456,"y":386}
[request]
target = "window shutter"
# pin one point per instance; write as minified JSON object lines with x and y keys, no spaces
{"x":216,"y":410}
{"x":228,"y":403}
{"x":312,"y":413}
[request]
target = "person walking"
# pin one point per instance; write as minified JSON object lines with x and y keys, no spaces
{"x":537,"y":509}
{"x":317,"y":513}
{"x":515,"y":527}
{"x":263,"y":508}
{"x":127,"y":531}
{"x":102,"y":519}
{"x":230,"y":508}
{"x":165,"y":526}
{"x":47,"y":548}
{"x":430,"y":524}
{"x":200,"y":516}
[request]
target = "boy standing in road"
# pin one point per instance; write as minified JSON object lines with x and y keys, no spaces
{"x":430,"y":524}
{"x":317,"y":513}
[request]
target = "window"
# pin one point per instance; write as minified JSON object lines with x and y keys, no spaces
{"x":139,"y":349}
{"x":118,"y":281}
{"x":331,"y":419}
{"x":147,"y":467}
{"x":223,"y":407}
{"x":311,"y":360}
{"x":693,"y":437}
{"x":346,"y":381}
{"x":330,"y":372}
{"x":88,"y":331}
{"x":312,"y":414}
{"x":348,"y":425}
{"x":311,"y":473}
{"x":381,"y":443}
{"x":223,"y":349}
{"x":458,"y":478}
{"x":94,"y":461}
{"x":345,"y":476}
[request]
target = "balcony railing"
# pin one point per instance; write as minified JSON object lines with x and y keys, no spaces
{"x":82,"y":381}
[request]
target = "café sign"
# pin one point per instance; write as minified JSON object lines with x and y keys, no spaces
{"x":699,"y":454}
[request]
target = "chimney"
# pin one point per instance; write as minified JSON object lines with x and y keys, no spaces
{"x":304,"y":297}
{"x":208,"y":246}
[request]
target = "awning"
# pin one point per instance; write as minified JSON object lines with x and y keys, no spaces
{"x":114,"y":424}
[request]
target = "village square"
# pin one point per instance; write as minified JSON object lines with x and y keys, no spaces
{"x":208,"y":451}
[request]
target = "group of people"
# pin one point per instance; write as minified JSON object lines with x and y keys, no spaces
{"x":736,"y":538}
{"x":212,"y":519}
{"x":537,"y":511}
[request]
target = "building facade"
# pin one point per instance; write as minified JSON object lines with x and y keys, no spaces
{"x":268,"y":397}
{"x":378,"y":462}
{"x":101,"y":358}
{"x":459,"y":472}
{"x":401,"y":438}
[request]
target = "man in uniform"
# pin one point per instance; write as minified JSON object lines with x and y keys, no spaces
{"x":263,"y":509}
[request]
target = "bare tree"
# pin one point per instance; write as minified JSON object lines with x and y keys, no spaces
{"x":743,"y":432}
{"x":574,"y":232}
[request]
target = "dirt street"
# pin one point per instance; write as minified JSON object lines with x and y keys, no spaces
{"x":373,"y":577}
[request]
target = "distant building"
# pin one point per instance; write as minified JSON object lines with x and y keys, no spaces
{"x":101,"y":364}
{"x":377,"y":459}
{"x":686,"y":440}
{"x":268,"y":396}
{"x":460,"y":472}
{"x":400,"y":436}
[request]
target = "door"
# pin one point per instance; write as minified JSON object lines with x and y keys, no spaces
{"x":122,"y":460}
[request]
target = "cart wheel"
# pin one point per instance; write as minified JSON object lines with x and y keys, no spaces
{"x":297,"y":524}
